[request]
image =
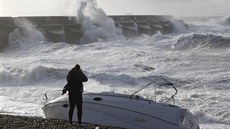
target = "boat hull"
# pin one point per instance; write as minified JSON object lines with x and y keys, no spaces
{"x":123,"y":111}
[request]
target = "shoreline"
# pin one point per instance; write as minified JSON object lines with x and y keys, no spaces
{"x":27,"y":122}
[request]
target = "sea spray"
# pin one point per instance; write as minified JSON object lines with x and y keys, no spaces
{"x":27,"y":33}
{"x":29,"y":30}
{"x":96,"y":25}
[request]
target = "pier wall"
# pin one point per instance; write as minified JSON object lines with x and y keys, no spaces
{"x":67,"y":29}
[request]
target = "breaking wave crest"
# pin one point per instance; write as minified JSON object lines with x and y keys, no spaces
{"x":224,"y":21}
{"x":37,"y":74}
{"x":191,"y":41}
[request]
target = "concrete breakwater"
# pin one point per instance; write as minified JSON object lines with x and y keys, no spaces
{"x":68,"y":29}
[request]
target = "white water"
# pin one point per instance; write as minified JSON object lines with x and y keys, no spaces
{"x":196,"y":59}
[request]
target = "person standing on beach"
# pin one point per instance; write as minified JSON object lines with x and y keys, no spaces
{"x":74,"y":86}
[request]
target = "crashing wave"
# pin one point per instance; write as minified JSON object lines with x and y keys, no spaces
{"x":37,"y":74}
{"x":179,"y":26}
{"x":201,"y":40}
{"x":224,"y":21}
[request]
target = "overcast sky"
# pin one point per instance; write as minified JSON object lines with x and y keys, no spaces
{"x":178,"y":8}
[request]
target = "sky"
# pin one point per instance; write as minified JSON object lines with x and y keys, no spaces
{"x":178,"y":8}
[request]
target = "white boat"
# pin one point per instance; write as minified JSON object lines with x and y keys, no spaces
{"x":125,"y":111}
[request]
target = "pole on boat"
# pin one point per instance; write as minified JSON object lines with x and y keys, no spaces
{"x":171,"y":84}
{"x":45,"y":97}
{"x":148,"y":84}
{"x":153,"y":81}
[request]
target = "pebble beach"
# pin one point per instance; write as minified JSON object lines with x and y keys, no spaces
{"x":24,"y":122}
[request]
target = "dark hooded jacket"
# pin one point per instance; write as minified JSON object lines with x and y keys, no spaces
{"x":75,"y":78}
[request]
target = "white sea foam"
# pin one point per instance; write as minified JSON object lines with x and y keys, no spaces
{"x":31,"y":67}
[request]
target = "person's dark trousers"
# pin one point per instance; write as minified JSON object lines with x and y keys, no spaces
{"x":75,"y":99}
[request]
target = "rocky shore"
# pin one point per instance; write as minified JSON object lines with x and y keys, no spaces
{"x":23,"y":122}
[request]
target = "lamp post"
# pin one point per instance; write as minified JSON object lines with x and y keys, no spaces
{"x":229,"y":8}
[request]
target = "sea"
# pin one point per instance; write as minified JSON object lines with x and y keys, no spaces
{"x":195,"y":57}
